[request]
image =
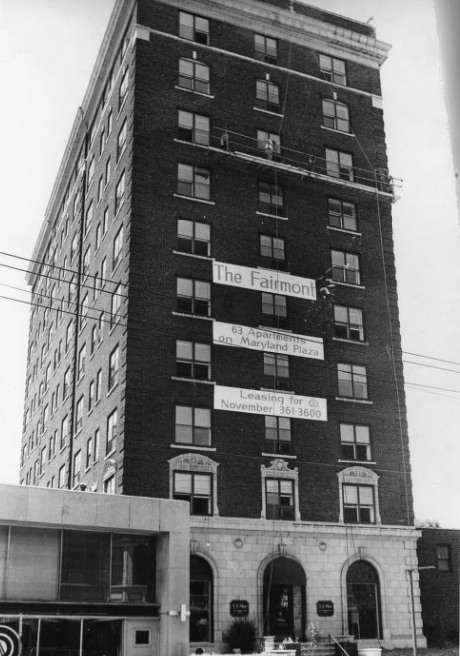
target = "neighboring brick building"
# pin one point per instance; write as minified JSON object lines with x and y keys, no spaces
{"x":439,"y":588}
{"x":215,"y":313}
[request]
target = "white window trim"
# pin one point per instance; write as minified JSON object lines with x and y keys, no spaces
{"x":360,"y":476}
{"x":279,"y":469}
{"x":195,"y":463}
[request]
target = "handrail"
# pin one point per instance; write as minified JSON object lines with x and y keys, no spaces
{"x":339,"y":645}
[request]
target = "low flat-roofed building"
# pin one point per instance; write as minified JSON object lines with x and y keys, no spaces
{"x":90,"y":573}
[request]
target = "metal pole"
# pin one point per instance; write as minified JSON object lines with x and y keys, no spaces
{"x":412,"y":604}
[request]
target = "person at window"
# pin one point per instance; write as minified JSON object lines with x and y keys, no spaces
{"x":224,"y":140}
{"x":269,"y":148}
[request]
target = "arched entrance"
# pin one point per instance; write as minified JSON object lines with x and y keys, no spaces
{"x":201,"y":596}
{"x":284,"y":598}
{"x":363,"y":601}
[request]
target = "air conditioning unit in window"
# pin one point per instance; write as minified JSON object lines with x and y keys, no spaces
{"x":286,"y":513}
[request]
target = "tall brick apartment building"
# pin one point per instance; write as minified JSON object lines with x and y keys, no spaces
{"x":215,"y":315}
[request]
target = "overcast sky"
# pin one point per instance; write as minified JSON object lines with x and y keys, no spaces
{"x":47,"y":51}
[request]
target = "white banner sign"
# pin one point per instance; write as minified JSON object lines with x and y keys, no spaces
{"x":258,"y":402}
{"x":264,"y":280}
{"x":272,"y":341}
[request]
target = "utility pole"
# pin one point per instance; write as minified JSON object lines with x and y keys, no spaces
{"x":411,"y":570}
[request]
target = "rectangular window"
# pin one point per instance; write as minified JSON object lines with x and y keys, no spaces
{"x":97,"y":439}
{"x":193,"y":28}
{"x":271,"y":196}
{"x":112,"y":425}
{"x":98,"y":385}
{"x":114,"y":366}
{"x":355,"y":442}
{"x":193,"y":128}
{"x":120,"y":193}
{"x":194,"y":75}
{"x":123,"y":93}
{"x":76,"y":468}
{"x":89,"y":452}
{"x":91,"y":392}
{"x":86,"y":263}
{"x":61,"y":477}
{"x":333,"y":69}
{"x":115,"y":307}
{"x":194,"y":296}
{"x":64,"y":432}
{"x":193,"y":425}
{"x":194,"y":237}
{"x":276,"y":366}
{"x":345,"y":267}
{"x":274,"y":309}
{"x":443,"y":558}
{"x":279,"y":498}
{"x":66,"y":384}
{"x":278,"y":434}
{"x":342,"y":214}
{"x":339,"y":164}
{"x":193,"y":360}
{"x":195,"y":488}
{"x":265,"y":49}
{"x":348,"y":323}
{"x":269,"y":143}
{"x":90,"y":176}
{"x":193,"y":182}
{"x":267,"y":96}
{"x":79,"y":415}
{"x":88,"y":218}
{"x":117,"y":248}
{"x":358,"y":504}
{"x":272,"y":250}
{"x":336,"y":115}
{"x":121,"y":140}
{"x":107,"y":172}
{"x":352,"y":381}
{"x":81,"y":361}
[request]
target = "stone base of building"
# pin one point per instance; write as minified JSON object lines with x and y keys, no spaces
{"x":297,"y":580}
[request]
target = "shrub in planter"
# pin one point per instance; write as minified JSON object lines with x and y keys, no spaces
{"x":241,"y":635}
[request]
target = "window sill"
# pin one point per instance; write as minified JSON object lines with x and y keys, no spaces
{"x":283,"y":456}
{"x":357,"y":462}
{"x":110,"y":454}
{"x":272,"y":216}
{"x":347,"y":284}
{"x":276,"y":390}
{"x":349,"y":341}
{"x":267,"y":111}
{"x":192,"y":316}
{"x":344,"y":132}
{"x":193,"y":380}
{"x":192,"y":447}
{"x":196,"y":200}
{"x":197,"y":93}
{"x":355,"y":233}
{"x":111,"y":390}
{"x":351,"y":400}
{"x":198,"y":257}
{"x":191,"y":143}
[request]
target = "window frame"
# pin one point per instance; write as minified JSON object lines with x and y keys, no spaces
{"x":355,"y":447}
{"x":111,"y":432}
{"x":193,"y":303}
{"x":197,"y":35}
{"x":349,"y":270}
{"x":349,"y":328}
{"x":200,"y":435}
{"x":262,"y":50}
{"x":192,"y":133}
{"x":446,"y":559}
{"x":193,"y":496}
{"x":276,"y":511}
{"x":331,"y":118}
{"x":192,"y":239}
{"x":190,"y":78}
{"x":343,"y":220}
{"x":337,"y":166}
{"x":271,"y":195}
{"x":276,"y":428}
{"x":267,"y":96}
{"x":328,"y":67}
{"x":359,"y":506}
{"x":347,"y":387}
{"x":195,"y":366}
{"x":193,"y":181}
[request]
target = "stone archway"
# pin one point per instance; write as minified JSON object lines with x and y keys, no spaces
{"x":363,"y":601}
{"x":284,"y":594}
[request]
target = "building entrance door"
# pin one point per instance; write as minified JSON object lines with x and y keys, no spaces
{"x":363,"y":597}
{"x":284,"y":599}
